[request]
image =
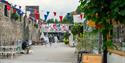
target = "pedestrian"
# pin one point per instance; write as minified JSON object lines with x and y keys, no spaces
{"x":25,"y":46}
{"x":50,"y":40}
{"x":46,"y":40}
{"x":56,"y":39}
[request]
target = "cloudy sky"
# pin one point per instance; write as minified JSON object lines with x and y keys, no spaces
{"x":60,"y":6}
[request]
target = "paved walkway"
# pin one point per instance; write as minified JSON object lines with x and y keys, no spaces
{"x":58,"y":53}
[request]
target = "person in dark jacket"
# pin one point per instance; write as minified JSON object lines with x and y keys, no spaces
{"x":24,"y":45}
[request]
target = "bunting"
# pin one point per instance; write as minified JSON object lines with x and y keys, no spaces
{"x":54,"y":13}
{"x":61,"y":18}
{"x":45,"y":17}
{"x":47,"y":13}
{"x":36,"y":13}
{"x":81,"y":16}
{"x":8,"y":6}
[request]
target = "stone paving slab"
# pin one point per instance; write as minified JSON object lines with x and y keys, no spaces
{"x":57,"y":53}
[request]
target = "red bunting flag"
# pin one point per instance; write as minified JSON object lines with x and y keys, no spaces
{"x":36,"y":13}
{"x":8,"y":6}
{"x":61,"y":18}
{"x":81,"y":16}
{"x":54,"y":13}
{"x":37,"y":16}
{"x":14,"y":10}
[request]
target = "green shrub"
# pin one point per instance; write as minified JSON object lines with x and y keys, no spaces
{"x":66,"y":41}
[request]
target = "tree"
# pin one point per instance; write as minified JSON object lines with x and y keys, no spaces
{"x":50,"y":21}
{"x":104,"y":13}
{"x":77,"y":29}
{"x":68,"y":19}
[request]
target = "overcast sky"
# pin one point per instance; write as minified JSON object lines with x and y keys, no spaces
{"x":60,"y":6}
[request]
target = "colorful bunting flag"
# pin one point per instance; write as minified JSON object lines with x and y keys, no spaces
{"x":81,"y":16}
{"x":61,"y":18}
{"x":47,"y":13}
{"x":14,"y":10}
{"x":45,"y":17}
{"x":68,"y":16}
{"x":54,"y":13}
{"x":36,"y":13}
{"x":8,"y":6}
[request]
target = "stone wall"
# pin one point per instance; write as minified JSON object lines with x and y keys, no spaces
{"x":10,"y":31}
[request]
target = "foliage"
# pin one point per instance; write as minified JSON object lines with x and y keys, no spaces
{"x":66,"y":41}
{"x":103,"y":12}
{"x":68,"y":19}
{"x":66,"y":35}
{"x":50,"y":21}
{"x":87,"y":41}
{"x":77,"y":29}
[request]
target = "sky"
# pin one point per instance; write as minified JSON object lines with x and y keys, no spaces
{"x":60,"y":6}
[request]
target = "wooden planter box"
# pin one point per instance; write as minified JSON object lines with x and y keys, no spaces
{"x":121,"y":53}
{"x":91,"y":58}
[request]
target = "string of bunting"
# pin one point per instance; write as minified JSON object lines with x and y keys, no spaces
{"x":36,"y":13}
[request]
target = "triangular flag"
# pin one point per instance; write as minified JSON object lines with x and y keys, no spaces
{"x":14,"y":10}
{"x":68,"y":16}
{"x":14,"y":6}
{"x":36,"y":13}
{"x":81,"y":16}
{"x":54,"y":13}
{"x":19,"y":7}
{"x":47,"y":13}
{"x":45,"y":17}
{"x":8,"y":6}
{"x":37,"y":16}
{"x":61,"y":18}
{"x":19,"y":11}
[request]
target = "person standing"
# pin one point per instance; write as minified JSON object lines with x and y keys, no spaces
{"x":56,"y":39}
{"x":50,"y":40}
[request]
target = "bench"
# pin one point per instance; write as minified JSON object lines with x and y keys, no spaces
{"x":5,"y":51}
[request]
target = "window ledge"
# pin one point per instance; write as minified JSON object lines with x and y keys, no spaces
{"x":121,"y":53}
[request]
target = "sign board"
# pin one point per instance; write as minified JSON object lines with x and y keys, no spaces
{"x":91,"y":58}
{"x":54,"y":27}
{"x":77,"y":19}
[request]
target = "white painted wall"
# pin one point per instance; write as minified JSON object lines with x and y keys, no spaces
{"x":113,"y":58}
